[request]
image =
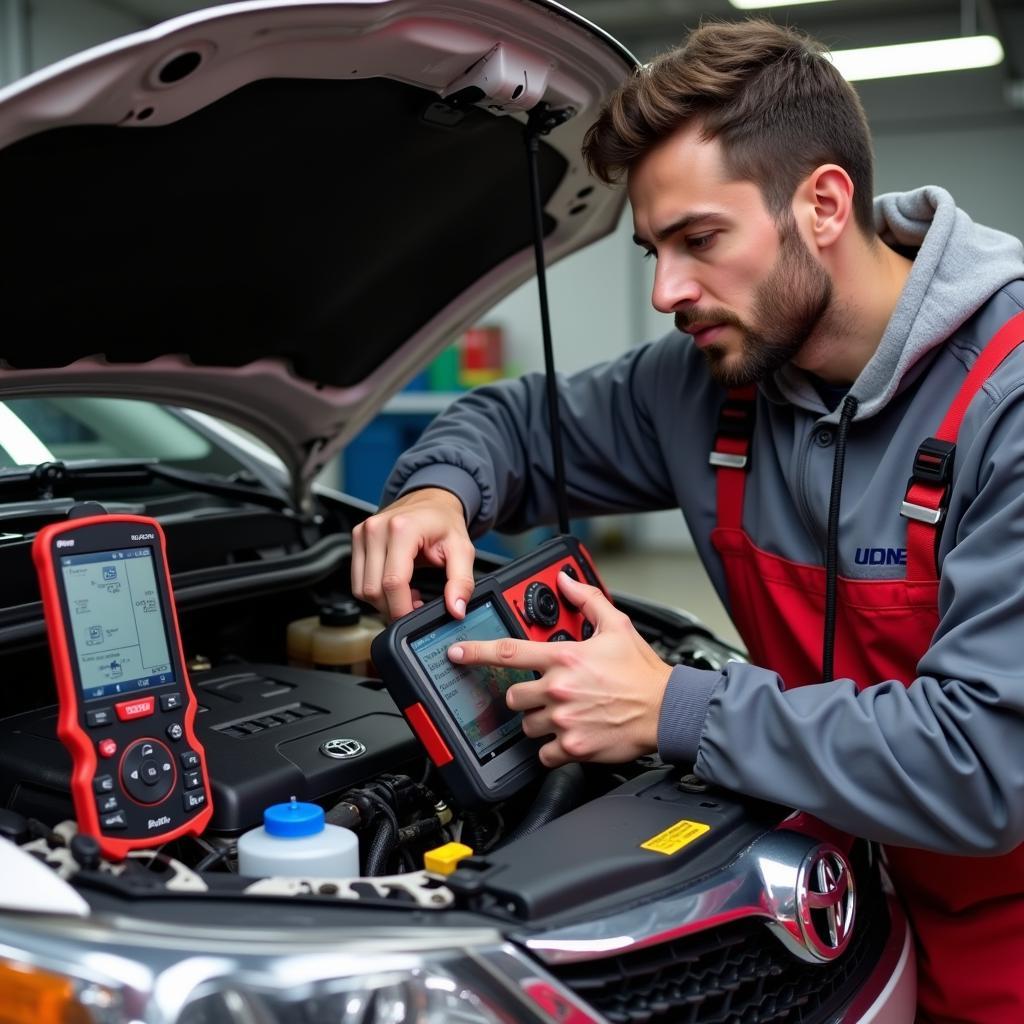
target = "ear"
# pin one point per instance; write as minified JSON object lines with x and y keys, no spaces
{"x":823,"y":204}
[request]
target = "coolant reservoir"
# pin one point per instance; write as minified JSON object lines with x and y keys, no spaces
{"x":338,"y":639}
{"x":295,"y":841}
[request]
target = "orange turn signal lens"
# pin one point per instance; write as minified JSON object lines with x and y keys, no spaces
{"x":32,"y":996}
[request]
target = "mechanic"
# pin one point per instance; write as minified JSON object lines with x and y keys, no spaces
{"x":822,"y":339}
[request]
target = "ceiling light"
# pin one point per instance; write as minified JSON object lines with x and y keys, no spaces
{"x":924,"y":58}
{"x":754,"y":5}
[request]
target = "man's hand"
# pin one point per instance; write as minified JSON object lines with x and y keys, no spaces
{"x":427,"y":526}
{"x":600,"y":698}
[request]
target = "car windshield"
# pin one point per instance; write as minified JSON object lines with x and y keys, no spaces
{"x":71,"y":428}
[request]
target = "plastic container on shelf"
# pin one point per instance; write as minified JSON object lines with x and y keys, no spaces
{"x":337,"y":639}
{"x":295,"y":841}
{"x":443,"y":372}
{"x":482,"y":356}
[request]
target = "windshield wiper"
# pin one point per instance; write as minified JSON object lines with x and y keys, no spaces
{"x":64,"y":479}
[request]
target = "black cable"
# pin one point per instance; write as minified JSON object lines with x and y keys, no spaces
{"x":832,"y":541}
{"x":215,"y":857}
{"x":472,"y":833}
{"x":207,"y":846}
{"x":382,"y":805}
{"x":385,"y":836}
{"x":561,"y":791}
{"x":532,"y":148}
{"x":381,"y":846}
{"x":40,"y":830}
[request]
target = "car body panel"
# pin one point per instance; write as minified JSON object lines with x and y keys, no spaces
{"x":248,"y":291}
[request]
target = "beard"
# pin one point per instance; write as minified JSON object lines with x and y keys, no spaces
{"x":788,"y":305}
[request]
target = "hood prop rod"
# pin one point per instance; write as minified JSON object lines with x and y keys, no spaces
{"x":542,"y":120}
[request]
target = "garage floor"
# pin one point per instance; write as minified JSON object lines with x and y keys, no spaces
{"x":672,"y":577}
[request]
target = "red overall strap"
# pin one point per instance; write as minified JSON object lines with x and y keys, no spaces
{"x":928,"y":490}
{"x":731,"y":453}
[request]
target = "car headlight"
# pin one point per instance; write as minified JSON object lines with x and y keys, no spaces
{"x":56,"y":971}
{"x":429,"y":994}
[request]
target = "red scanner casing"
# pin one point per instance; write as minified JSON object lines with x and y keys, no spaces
{"x":512,"y":592}
{"x":145,"y":824}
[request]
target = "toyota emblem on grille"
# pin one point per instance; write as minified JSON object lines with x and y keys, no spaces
{"x":342,"y":749}
{"x":826,"y":902}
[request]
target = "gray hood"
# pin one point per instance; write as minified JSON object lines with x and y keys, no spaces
{"x":958,"y":265}
{"x":205,"y":212}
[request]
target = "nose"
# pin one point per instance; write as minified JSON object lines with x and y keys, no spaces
{"x":674,"y":288}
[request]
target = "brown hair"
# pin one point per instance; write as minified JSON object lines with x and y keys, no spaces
{"x":777,"y":105}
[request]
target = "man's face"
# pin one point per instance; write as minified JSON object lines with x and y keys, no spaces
{"x":744,"y":285}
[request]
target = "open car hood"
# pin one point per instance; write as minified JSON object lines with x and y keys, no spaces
{"x":279,"y":212}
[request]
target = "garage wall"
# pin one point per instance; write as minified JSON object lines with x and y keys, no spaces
{"x":14,"y":56}
{"x":58,"y":28}
{"x":40,"y":32}
{"x":954,"y":130}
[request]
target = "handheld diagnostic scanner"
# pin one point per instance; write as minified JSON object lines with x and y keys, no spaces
{"x":126,"y":709}
{"x":459,"y":712}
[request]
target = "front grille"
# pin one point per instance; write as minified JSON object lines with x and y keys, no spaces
{"x":736,"y":974}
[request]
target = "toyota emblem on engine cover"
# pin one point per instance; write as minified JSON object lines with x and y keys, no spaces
{"x":342,"y":749}
{"x":826,"y":900}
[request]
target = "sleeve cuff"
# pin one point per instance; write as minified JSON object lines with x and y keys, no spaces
{"x":683,"y":710}
{"x":449,"y":478}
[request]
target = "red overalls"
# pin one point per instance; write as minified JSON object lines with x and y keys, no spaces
{"x":967,"y":912}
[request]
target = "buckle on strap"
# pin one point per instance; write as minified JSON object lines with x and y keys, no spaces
{"x":922,"y":513}
{"x":933,"y":467}
{"x":736,"y":418}
{"x":728,"y":460}
{"x":933,"y":463}
{"x":735,"y":421}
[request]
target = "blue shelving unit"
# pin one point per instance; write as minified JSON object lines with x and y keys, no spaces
{"x":370,"y":455}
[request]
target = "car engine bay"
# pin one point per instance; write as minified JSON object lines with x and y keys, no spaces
{"x":565,"y":853}
{"x":264,"y":722}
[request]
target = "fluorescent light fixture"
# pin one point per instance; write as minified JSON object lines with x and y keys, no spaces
{"x":928,"y":57}
{"x":756,"y":5}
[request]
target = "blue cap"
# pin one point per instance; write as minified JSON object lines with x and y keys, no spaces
{"x":293,"y":820}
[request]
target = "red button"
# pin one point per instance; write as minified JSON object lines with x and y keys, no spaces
{"x":108,"y":748}
{"x":139,"y":708}
{"x":428,"y":734}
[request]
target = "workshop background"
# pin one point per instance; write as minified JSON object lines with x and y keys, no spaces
{"x":961,"y":129}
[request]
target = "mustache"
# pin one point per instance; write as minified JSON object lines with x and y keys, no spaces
{"x":685,"y":318}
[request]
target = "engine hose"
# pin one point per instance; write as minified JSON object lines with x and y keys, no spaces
{"x":381,"y":846}
{"x":417,"y":831}
{"x":473,"y":832}
{"x":561,"y":791}
{"x":347,"y":815}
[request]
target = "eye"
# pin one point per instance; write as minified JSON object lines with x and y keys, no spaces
{"x":649,"y":253}
{"x":699,"y":243}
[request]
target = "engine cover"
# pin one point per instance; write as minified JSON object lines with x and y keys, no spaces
{"x":270,"y":733}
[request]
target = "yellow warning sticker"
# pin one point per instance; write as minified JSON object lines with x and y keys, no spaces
{"x":676,"y":836}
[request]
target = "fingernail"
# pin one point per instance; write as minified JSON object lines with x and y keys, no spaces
{"x":460,"y":606}
{"x":455,"y":653}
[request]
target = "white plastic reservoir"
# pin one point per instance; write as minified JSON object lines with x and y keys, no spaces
{"x":294,"y":841}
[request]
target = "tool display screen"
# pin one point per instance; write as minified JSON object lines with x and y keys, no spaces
{"x":116,"y":621}
{"x":474,"y":694}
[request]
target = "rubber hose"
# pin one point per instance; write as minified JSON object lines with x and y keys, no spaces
{"x":561,"y":791}
{"x":381,"y":846}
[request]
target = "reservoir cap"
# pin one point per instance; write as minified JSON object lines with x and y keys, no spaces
{"x":344,"y":613}
{"x":293,"y":820}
